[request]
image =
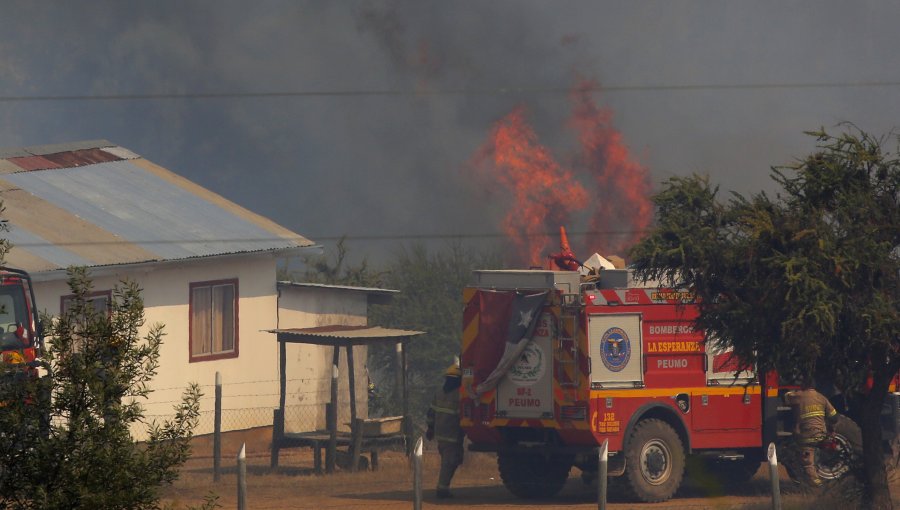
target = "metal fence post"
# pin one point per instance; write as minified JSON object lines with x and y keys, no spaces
{"x":217,"y":431}
{"x":602,"y":473}
{"x":242,"y":478}
{"x":773,"y":474}
{"x":417,"y":476}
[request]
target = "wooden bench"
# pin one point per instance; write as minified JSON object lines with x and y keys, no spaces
{"x":377,"y":434}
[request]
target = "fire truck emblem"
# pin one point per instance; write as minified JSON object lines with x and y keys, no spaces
{"x":616,"y":349}
{"x":530,"y":366}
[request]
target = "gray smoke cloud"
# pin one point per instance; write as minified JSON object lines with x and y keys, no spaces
{"x":725,"y":88}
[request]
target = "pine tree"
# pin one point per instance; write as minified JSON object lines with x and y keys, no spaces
{"x":805,"y":282}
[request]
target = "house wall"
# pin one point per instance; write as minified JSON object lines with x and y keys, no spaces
{"x":250,"y":381}
{"x":308,"y":367}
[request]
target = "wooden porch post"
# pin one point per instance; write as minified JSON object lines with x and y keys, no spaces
{"x":407,"y":423}
{"x":333,"y":411}
{"x":278,"y":414}
{"x":354,"y":426}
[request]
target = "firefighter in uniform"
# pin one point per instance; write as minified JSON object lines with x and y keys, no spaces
{"x":814,"y":417}
{"x":443,"y":424}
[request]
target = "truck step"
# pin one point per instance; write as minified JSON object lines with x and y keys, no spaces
{"x":783,"y":433}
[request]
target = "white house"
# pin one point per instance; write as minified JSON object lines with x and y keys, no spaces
{"x":207,"y":268}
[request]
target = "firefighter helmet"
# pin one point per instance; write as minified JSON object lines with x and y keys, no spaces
{"x":453,"y":371}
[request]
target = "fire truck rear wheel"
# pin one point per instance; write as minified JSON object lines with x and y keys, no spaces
{"x":654,"y":461}
{"x":533,"y":476}
{"x":835,"y":464}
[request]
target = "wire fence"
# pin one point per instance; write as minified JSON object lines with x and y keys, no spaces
{"x":250,"y":404}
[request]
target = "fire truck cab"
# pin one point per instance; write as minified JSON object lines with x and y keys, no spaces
{"x":606,"y":359}
{"x":21,"y":339}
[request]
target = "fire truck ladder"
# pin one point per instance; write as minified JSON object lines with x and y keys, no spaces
{"x":567,"y":357}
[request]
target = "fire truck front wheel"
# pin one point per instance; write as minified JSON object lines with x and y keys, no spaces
{"x":532,"y":476}
{"x":654,"y":461}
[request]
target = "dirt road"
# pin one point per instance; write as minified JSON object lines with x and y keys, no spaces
{"x":477,"y":485}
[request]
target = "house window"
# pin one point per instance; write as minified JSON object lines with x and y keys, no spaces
{"x":99,"y":300}
{"x":213,"y":322}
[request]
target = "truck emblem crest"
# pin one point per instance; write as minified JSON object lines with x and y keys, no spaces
{"x":529,"y":367}
{"x":616,"y":349}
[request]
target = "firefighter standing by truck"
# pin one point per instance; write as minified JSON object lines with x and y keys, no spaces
{"x":443,"y":424}
{"x":814,"y":419}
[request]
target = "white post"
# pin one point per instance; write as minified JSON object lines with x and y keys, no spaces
{"x":242,"y":478}
{"x":602,"y":473}
{"x":417,"y":475}
{"x":773,"y":475}
{"x":400,"y":368}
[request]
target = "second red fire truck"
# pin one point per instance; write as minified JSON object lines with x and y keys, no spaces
{"x":555,"y":362}
{"x":20,"y":330}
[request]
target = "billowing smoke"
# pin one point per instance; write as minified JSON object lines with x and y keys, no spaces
{"x":621,"y":186}
{"x":359,"y":117}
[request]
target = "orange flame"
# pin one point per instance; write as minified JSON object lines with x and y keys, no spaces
{"x":623,"y":189}
{"x":544,"y":193}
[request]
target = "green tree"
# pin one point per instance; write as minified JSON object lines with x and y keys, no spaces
{"x":334,"y":269}
{"x":65,"y":439}
{"x":803,"y":281}
{"x":430,"y":300}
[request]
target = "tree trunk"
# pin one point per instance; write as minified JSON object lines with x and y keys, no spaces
{"x":877,"y":492}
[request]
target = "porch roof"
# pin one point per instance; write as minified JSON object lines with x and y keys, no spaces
{"x":344,"y":335}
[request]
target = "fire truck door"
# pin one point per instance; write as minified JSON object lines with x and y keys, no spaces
{"x":616,"y":352}
{"x":731,"y":401}
{"x":526,"y":391}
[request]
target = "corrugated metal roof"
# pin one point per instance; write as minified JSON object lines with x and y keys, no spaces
{"x":94,"y":208}
{"x":343,"y":335}
{"x":39,"y":246}
{"x":120,"y":152}
{"x":34,"y":163}
{"x":369,"y":290}
{"x":81,"y":157}
{"x":7,"y":168}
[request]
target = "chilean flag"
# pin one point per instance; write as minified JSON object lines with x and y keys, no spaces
{"x":506,"y":323}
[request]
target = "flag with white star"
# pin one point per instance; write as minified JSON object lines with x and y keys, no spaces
{"x":523,"y":311}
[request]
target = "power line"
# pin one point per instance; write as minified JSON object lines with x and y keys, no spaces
{"x":485,"y":235}
{"x":488,"y":91}
{"x":381,"y":237}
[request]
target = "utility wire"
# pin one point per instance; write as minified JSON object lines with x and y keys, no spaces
{"x":489,"y":91}
{"x":384,"y":237}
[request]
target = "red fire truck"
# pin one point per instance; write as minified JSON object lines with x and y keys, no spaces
{"x":20,"y":334}
{"x":554,"y":363}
